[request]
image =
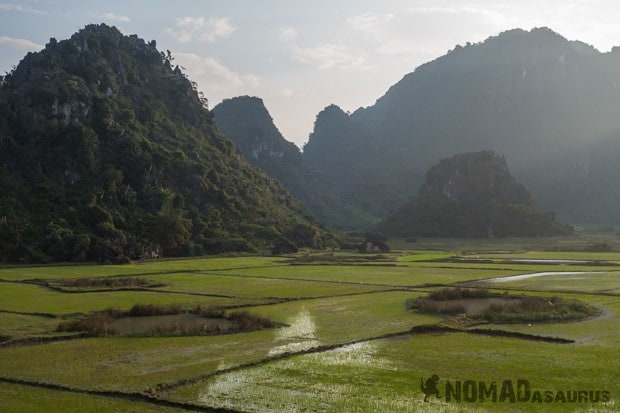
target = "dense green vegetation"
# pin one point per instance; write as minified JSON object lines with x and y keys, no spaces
{"x":108,"y":153}
{"x":343,"y":332}
{"x":246,"y":121}
{"x":471,"y":195}
{"x":544,"y":102}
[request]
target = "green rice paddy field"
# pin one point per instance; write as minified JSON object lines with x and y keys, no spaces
{"x":343,"y":340}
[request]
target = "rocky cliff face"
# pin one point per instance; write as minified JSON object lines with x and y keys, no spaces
{"x":474,"y":177}
{"x":471,"y":195}
{"x":246,"y":121}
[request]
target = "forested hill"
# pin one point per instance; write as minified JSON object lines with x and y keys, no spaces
{"x":548,"y":104}
{"x":471,"y":195}
{"x":107,"y":152}
{"x":246,"y":121}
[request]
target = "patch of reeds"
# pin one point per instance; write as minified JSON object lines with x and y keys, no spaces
{"x":447,"y":294}
{"x":196,"y":329}
{"x":502,"y":308}
{"x":245,"y":321}
{"x":538,"y":310}
{"x":109,"y":282}
{"x":148,"y":310}
{"x":99,"y":322}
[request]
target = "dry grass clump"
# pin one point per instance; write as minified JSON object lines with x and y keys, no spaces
{"x":97,"y":323}
{"x":109,"y":282}
{"x":538,"y":310}
{"x":446,"y":294}
{"x":210,"y":321}
{"x":148,"y":310}
{"x":500,"y":308}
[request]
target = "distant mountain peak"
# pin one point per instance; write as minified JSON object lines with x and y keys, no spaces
{"x":108,"y":153}
{"x":532,"y":95}
{"x":248,"y":123}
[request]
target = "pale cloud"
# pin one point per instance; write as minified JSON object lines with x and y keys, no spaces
{"x":19,"y":8}
{"x":369,"y":21}
{"x":116,"y":17}
{"x":21,"y":44}
{"x":381,"y":29}
{"x":199,"y":28}
{"x":287,"y":33}
{"x":214,"y":77}
{"x":328,"y":56}
{"x":400,"y":34}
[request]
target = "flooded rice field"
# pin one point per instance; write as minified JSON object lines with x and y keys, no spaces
{"x":540,"y":274}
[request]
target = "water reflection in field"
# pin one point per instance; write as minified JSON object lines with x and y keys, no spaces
{"x":298,"y":336}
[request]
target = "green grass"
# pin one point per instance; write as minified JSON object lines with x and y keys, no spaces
{"x":131,"y":364}
{"x":19,"y":326}
{"x":377,"y":275}
{"x":385,"y":375}
{"x":15,"y":398}
{"x":214,"y":283}
{"x":604,"y":282}
{"x":344,"y":319}
{"x":138,"y":363}
{"x":598,"y":331}
{"x":76,"y":271}
{"x":555,"y":255}
{"x":378,"y":375}
{"x":36,"y":299}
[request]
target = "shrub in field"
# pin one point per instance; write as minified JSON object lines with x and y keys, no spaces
{"x":480,"y":306}
{"x":97,"y":323}
{"x":537,"y":309}
{"x":176,"y":329}
{"x":147,"y":310}
{"x":109,"y":282}
{"x":457,"y":293}
{"x":209,"y":312}
{"x":246,"y":321}
{"x":101,"y":323}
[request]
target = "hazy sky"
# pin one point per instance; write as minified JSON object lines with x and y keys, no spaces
{"x":300,"y":56}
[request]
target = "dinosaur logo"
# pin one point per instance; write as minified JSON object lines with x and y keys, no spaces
{"x":430,"y":387}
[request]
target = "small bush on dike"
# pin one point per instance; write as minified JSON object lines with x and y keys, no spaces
{"x":458,"y":293}
{"x":147,"y":310}
{"x":504,"y":309}
{"x":243,"y":320}
{"x":208,"y":312}
{"x":536,"y":309}
{"x":98,"y":323}
{"x":177,"y":329}
{"x":109,"y":282}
